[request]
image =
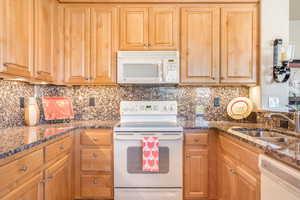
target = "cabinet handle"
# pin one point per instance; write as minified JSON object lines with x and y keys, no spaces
{"x":188,"y":155}
{"x":95,"y":181}
{"x":23,"y":169}
{"x":95,"y":155}
{"x":61,"y":147}
{"x":149,"y":45}
{"x":50,"y":177}
{"x":146,"y":45}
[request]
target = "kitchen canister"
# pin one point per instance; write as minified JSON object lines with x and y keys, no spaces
{"x":32,"y":112}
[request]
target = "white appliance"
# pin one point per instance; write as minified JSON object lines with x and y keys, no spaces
{"x":148,"y":67}
{"x":138,"y":120}
{"x":278,"y":181}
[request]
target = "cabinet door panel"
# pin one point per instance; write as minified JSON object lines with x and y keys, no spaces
{"x":30,"y":190}
{"x":45,"y":15}
{"x":239,"y":45}
{"x":200,"y":45}
{"x":196,"y":173}
{"x":17,"y":37}
{"x":134,"y":28}
{"x":77,"y":44}
{"x":58,"y":180}
{"x":227,"y":187}
{"x":164,"y":28}
{"x":103,"y":54}
{"x":248,"y":185}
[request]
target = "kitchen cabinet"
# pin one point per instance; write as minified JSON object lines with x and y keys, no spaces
{"x":239,"y":176}
{"x":46,"y":21}
{"x":200,"y":45}
{"x":58,"y":180}
{"x":104,"y":40}
{"x":239,"y":44}
{"x":16,"y":36}
{"x":90,"y":41}
{"x":77,"y":44}
{"x":30,"y":190}
{"x":219,"y":44}
{"x":196,"y":172}
{"x":149,"y":28}
{"x":94,"y":164}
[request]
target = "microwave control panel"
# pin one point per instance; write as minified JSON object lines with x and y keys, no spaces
{"x":171,"y":70}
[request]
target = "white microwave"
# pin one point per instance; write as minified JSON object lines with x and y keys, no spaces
{"x":148,"y":67}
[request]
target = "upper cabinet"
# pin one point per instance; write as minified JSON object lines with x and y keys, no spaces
{"x":218,"y":51}
{"x":45,"y":37}
{"x":76,"y":44}
{"x":239,"y":45}
{"x":200,"y":42}
{"x":16,"y":36}
{"x":90,"y":44}
{"x":149,"y":28}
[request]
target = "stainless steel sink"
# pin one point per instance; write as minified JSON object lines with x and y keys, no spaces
{"x":258,"y":132}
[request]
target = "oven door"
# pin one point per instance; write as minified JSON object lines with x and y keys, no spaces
{"x":128,"y":161}
{"x":143,"y":71}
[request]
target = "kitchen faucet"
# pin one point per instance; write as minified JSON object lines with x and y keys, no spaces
{"x":295,"y":121}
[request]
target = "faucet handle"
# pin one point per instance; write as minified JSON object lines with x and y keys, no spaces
{"x":292,"y":108}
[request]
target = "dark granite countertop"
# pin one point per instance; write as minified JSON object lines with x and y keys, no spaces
{"x":14,"y":140}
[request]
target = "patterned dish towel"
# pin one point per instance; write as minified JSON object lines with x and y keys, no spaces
{"x":150,"y":154}
{"x":57,"y":108}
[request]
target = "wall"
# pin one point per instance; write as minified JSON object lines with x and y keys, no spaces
{"x":108,"y":100}
{"x":295,"y":35}
{"x":274,"y":24}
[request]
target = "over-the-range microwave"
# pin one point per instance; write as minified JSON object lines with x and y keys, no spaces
{"x":148,"y":67}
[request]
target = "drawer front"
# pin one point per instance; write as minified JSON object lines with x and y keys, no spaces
{"x":96,"y":160}
{"x":96,"y":186}
{"x":18,"y":169}
{"x":196,"y":139}
{"x":96,"y":137}
{"x":58,"y":148}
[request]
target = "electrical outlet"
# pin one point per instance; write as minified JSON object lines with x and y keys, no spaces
{"x":22,"y":102}
{"x":273,"y":102}
{"x":217,"y":102}
{"x":92,"y":101}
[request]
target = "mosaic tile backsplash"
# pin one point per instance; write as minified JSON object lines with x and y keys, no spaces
{"x":193,"y":102}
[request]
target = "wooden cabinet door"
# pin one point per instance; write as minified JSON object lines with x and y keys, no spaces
{"x":134,"y":29}
{"x":239,"y":46}
{"x":200,"y":44}
{"x":58,"y":180}
{"x":248,"y":186}
{"x":163,"y":28}
{"x":16,"y":37}
{"x":30,"y":190}
{"x":45,"y":15}
{"x":103,"y":40}
{"x":227,"y":176}
{"x":77,"y":44}
{"x":196,"y":173}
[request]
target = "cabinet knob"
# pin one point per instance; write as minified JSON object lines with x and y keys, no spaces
{"x":232,"y":171}
{"x":50,"y":177}
{"x":86,"y":78}
{"x":146,"y":45}
{"x":95,"y":155}
{"x":61,"y":147}
{"x":196,"y":140}
{"x":213,"y":78}
{"x":95,"y":139}
{"x":95,"y":181}
{"x":23,"y":169}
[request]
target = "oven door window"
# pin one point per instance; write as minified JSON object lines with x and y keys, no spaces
{"x":136,"y":70}
{"x":135,"y":156}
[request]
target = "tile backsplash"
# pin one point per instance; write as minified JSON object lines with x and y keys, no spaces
{"x":193,"y":102}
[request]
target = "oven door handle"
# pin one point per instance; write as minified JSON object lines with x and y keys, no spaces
{"x":120,"y":138}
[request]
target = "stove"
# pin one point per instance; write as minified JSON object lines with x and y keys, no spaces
{"x":140,"y":119}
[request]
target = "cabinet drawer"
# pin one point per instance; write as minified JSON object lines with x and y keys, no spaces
{"x":96,"y":186}
{"x":96,"y":160}
{"x":196,"y":139}
{"x":58,"y":148}
{"x":96,"y":137}
{"x":18,"y":169}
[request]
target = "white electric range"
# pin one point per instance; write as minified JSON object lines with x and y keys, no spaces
{"x":138,"y":120}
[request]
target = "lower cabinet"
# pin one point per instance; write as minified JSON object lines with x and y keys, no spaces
{"x":30,"y":190}
{"x":237,"y":179}
{"x":196,"y":172}
{"x":58,"y":180}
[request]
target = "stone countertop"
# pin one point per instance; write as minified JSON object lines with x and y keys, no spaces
{"x":14,"y":140}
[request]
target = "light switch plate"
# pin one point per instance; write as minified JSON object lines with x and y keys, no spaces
{"x":273,"y":102}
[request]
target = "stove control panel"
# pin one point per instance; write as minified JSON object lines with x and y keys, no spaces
{"x":148,"y":108}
